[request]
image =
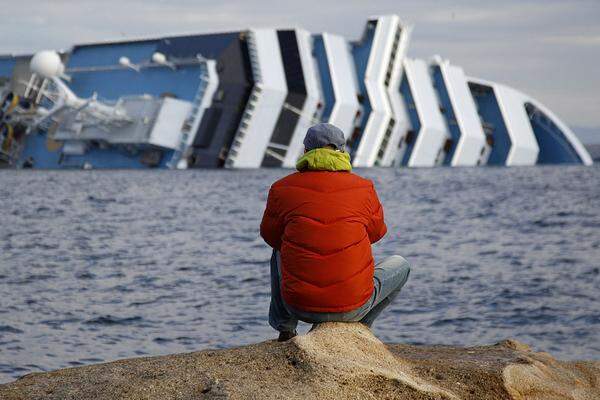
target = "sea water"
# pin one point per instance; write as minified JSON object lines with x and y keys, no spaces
{"x":101,"y":265}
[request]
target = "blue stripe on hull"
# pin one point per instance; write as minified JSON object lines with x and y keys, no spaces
{"x":448,"y":113}
{"x":325,"y":75}
{"x":489,"y":111}
{"x":361,"y":53}
{"x":37,"y":149}
{"x":413,"y":116}
{"x":555,"y":148}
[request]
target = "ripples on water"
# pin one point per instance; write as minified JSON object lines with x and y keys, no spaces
{"x":96,"y":266}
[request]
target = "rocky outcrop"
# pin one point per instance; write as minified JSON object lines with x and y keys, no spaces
{"x":334,"y":361}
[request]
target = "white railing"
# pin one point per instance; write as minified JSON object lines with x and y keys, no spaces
{"x":250,"y":105}
{"x":191,"y":120}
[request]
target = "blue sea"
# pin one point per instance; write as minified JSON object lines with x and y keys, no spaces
{"x":101,"y":265}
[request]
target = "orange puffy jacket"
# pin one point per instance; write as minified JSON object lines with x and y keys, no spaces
{"x":323,"y":223}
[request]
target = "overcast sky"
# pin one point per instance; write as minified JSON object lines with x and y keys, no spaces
{"x":548,"y":49}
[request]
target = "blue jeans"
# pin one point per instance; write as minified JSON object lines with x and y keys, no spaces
{"x":390,"y":275}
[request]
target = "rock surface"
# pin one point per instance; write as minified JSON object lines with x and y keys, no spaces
{"x":334,"y":361}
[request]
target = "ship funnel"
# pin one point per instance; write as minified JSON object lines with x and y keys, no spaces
{"x":47,"y":64}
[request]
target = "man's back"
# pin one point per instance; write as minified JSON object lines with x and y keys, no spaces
{"x":323,"y":223}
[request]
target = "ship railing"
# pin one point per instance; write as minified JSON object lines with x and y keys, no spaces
{"x":244,"y":125}
{"x":253,"y":55}
{"x":177,"y":62}
{"x":274,"y":154}
{"x":250,"y":105}
{"x":385,"y":141}
{"x":192,"y":116}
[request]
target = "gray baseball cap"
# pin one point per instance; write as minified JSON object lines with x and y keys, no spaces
{"x":323,"y":134}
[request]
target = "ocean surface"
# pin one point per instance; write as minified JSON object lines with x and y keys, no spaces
{"x":102,"y":265}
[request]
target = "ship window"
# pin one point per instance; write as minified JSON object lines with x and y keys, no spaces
{"x":207,"y":128}
{"x":448,"y":145}
{"x":410,"y":136}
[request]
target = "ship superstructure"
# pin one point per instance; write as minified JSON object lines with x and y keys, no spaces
{"x":245,"y":99}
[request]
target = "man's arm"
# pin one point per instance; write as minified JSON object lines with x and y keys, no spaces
{"x":271,"y":227}
{"x":376,"y":227}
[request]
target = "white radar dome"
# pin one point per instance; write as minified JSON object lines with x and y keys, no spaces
{"x":159,"y":58}
{"x":125,"y":61}
{"x":47,"y":63}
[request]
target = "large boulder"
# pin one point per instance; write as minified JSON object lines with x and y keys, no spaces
{"x":334,"y":361}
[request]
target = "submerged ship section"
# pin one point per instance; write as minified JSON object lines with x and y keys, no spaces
{"x":109,"y":106}
{"x":264,"y":106}
{"x":466,"y":145}
{"x":226,"y":95}
{"x":245,"y":99}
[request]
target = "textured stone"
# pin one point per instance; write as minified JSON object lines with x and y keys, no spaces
{"x":334,"y":361}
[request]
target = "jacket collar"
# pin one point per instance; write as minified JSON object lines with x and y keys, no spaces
{"x":324,"y":159}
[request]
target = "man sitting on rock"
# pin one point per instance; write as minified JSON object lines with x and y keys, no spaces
{"x":321,"y":222}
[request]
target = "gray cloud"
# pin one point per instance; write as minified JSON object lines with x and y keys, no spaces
{"x":548,"y":49}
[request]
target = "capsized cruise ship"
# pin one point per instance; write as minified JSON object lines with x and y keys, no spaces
{"x":245,"y":100}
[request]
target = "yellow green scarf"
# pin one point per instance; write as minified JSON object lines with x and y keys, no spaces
{"x":324,"y":159}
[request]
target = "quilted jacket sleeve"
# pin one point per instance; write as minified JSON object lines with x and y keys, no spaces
{"x":271,"y":227}
{"x":376,"y":227}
